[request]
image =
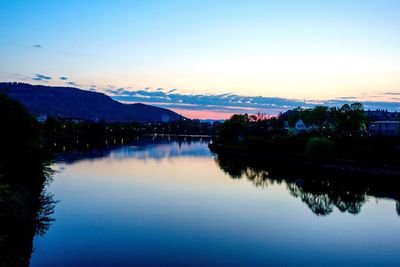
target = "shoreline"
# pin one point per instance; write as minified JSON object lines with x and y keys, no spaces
{"x":305,"y":163}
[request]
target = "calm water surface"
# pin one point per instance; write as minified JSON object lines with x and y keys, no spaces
{"x":169,"y":203}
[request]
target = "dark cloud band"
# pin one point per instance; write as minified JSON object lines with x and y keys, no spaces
{"x":41,"y":77}
{"x":231,"y":102}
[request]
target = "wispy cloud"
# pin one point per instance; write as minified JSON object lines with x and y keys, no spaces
{"x":347,"y":98}
{"x":20,"y":77}
{"x":392,"y":93}
{"x":72,"y":83}
{"x":171,"y":91}
{"x":37,"y":46}
{"x":63,"y":78}
{"x":41,"y":77}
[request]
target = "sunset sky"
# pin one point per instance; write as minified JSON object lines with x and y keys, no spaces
{"x":208,"y":59}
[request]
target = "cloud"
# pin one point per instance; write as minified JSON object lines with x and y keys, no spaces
{"x":347,"y":98}
{"x":171,"y":91}
{"x":20,"y":77}
{"x":63,"y":78}
{"x":72,"y":83}
{"x":232,"y":103}
{"x":392,"y":93}
{"x":37,"y":46}
{"x":41,"y":77}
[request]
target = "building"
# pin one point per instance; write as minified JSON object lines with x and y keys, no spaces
{"x":42,"y":117}
{"x":300,"y":126}
{"x":385,"y":128}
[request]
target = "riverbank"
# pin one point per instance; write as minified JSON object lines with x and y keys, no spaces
{"x":303,"y":162}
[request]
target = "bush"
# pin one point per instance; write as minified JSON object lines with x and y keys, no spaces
{"x":320,"y":147}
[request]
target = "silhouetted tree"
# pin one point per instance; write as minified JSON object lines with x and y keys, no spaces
{"x":231,"y":129}
{"x":25,"y":209}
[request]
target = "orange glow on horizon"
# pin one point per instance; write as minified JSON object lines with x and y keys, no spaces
{"x":203,"y":114}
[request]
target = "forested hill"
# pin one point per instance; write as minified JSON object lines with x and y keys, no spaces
{"x":67,"y":102}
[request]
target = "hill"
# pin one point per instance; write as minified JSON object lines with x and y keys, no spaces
{"x":68,"y":102}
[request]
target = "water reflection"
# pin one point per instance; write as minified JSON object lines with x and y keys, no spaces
{"x":145,"y":148}
{"x":398,"y":207}
{"x":167,"y":203}
{"x":320,"y":191}
{"x":25,"y":210}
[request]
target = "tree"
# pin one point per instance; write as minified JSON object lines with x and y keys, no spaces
{"x":318,"y":116}
{"x":351,"y":119}
{"x":19,"y":136}
{"x":231,"y":129}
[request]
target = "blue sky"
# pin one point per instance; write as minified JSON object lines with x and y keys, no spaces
{"x":316,"y":50}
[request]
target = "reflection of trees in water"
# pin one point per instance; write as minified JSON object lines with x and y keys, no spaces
{"x":320,"y":195}
{"x":323,"y":201}
{"x":259,"y":178}
{"x":43,"y":218}
{"x":25,"y":211}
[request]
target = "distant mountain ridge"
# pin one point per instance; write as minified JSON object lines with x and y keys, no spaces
{"x":69,"y":102}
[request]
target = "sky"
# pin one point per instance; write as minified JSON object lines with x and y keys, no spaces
{"x":186,"y":55}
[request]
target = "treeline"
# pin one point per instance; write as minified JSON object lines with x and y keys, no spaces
{"x":19,"y":140}
{"x":321,"y":120}
{"x":330,"y":134}
{"x":62,"y":132}
{"x":348,"y":119}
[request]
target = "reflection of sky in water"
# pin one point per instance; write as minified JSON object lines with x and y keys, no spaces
{"x":161,"y":151}
{"x":147,"y":149}
{"x":177,"y":207}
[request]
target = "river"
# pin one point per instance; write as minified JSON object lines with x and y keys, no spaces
{"x":171,"y":202}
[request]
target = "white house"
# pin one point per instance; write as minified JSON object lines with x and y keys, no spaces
{"x":300,"y":126}
{"x":42,"y":117}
